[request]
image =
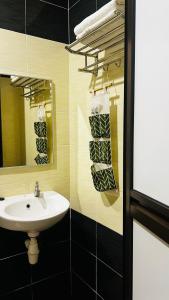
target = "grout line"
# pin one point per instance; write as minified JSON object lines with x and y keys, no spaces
{"x":34,"y":283}
{"x":68,"y":23}
{"x":11,"y":256}
{"x":25,"y":17}
{"x":47,"y":2}
{"x":117,"y":273}
{"x":25,"y":252}
{"x":96,"y":5}
{"x":70,"y":254}
{"x":74,"y":4}
{"x":88,"y":285}
{"x":96,"y":262}
{"x":84,"y":249}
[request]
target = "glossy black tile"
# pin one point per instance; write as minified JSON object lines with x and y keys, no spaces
{"x":80,"y":290}
{"x":84,"y":264}
{"x":52,"y":260}
{"x":72,"y":2}
{"x":12,"y":242}
{"x":100,"y":3}
{"x":15,"y":273}
{"x":25,"y":293}
{"x":57,"y":233}
{"x":83,"y":231}
{"x":46,"y":21}
{"x":79,"y":12}
{"x":109,"y":284}
{"x":110,"y":247}
{"x":54,"y":288}
{"x":62,"y":3}
{"x":12,"y":15}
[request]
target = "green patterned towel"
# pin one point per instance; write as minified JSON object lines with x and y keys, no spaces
{"x":40,"y":129}
{"x":41,"y":160}
{"x":100,"y":126}
{"x":103,"y":179}
{"x":42,"y":145}
{"x":100,"y":152}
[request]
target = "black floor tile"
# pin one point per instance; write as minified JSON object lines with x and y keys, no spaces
{"x":80,"y":11}
{"x":83,"y":231}
{"x":15,"y":273}
{"x":57,"y":287}
{"x":12,"y":15}
{"x":12,"y":242}
{"x":84,"y":264}
{"x":52,"y":260}
{"x":23,"y":294}
{"x":109,"y":284}
{"x":110,"y":247}
{"x":46,"y":21}
{"x":80,"y":290}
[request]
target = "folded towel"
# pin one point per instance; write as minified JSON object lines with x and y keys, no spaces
{"x":92,"y":19}
{"x":120,"y":2}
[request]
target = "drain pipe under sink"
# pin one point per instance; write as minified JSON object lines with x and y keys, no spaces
{"x":33,"y":249}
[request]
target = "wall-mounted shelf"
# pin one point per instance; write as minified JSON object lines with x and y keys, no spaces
{"x":109,"y":38}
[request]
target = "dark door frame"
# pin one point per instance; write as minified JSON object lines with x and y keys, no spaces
{"x":148,"y":211}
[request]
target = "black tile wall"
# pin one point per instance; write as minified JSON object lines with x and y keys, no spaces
{"x":80,"y":288}
{"x":52,"y":260}
{"x":100,"y":3}
{"x":20,"y":280}
{"x":46,"y":21}
{"x":109,"y":284}
{"x":78,"y":12}
{"x":62,"y":3}
{"x":72,"y":2}
{"x":57,"y":287}
{"x":97,"y":259}
{"x":25,"y":293}
{"x":83,"y":231}
{"x":39,"y":18}
{"x":110,"y":248}
{"x":84,"y":264}
{"x":12,"y":15}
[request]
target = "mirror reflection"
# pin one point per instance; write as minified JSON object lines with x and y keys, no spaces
{"x":26,"y":121}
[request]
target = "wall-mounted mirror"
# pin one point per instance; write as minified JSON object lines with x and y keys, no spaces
{"x":26,"y":121}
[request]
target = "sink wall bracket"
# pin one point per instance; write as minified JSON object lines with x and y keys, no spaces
{"x":33,"y":249}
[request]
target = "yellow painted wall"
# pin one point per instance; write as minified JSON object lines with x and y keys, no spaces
{"x":106,"y":208}
{"x":36,"y":57}
{"x":12,"y":121}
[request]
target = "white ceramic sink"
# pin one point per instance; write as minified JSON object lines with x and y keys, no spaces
{"x":31,"y":214}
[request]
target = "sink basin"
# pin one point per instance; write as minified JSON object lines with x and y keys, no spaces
{"x":31,"y":214}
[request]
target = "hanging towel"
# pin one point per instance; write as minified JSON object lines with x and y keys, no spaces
{"x":42,"y":145}
{"x":41,"y":159}
{"x":40,"y":129}
{"x":100,"y":126}
{"x":103,"y":180}
{"x":100,"y":152}
{"x":100,"y":121}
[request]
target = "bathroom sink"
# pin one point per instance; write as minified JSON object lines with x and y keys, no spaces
{"x":32,"y":214}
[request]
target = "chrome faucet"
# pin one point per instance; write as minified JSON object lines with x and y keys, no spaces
{"x":37,"y":190}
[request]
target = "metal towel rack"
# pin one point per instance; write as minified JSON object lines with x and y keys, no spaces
{"x":110,"y":36}
{"x":33,"y":86}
